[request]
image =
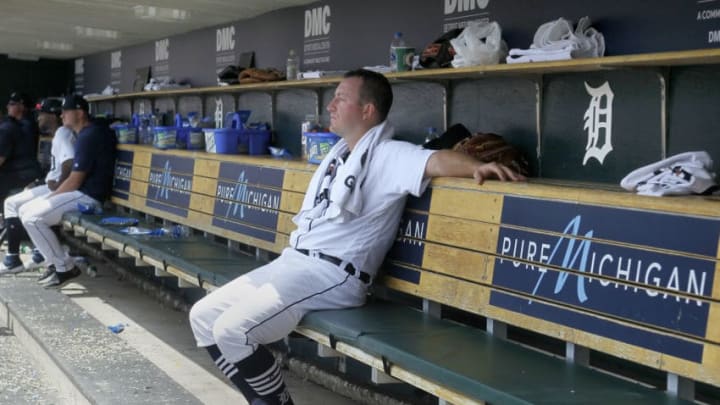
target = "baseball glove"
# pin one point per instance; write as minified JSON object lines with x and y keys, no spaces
{"x":493,"y":148}
{"x":439,"y":53}
{"x":255,"y":75}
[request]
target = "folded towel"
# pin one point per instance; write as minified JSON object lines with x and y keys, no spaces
{"x":685,"y":173}
{"x":537,"y":55}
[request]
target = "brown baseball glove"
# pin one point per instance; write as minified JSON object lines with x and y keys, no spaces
{"x":493,"y":148}
{"x":255,"y":75}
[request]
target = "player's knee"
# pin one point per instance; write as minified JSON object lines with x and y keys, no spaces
{"x":21,"y":211}
{"x":198,"y":318}
{"x":227,"y":332}
{"x":29,"y":220}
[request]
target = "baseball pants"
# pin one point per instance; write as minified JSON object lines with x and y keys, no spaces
{"x":265,"y":305}
{"x":14,"y":202}
{"x":15,"y":180}
{"x":38,"y":215}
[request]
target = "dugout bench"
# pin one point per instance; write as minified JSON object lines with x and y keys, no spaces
{"x":601,"y":270}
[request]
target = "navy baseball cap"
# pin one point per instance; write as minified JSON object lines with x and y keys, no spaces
{"x":75,"y":102}
{"x":20,"y":98}
{"x":50,"y":106}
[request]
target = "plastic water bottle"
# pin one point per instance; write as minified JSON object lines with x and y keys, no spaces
{"x":136,"y":230}
{"x":309,"y":125}
{"x":291,"y":69}
{"x":397,"y":42}
{"x":181,"y":231}
{"x":176,"y":231}
{"x":145,"y":131}
{"x":89,"y":208}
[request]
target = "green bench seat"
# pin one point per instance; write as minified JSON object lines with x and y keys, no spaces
{"x":472,"y":362}
{"x":466,"y":360}
{"x":200,"y":258}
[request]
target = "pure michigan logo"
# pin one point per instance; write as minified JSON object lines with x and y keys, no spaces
{"x":170,"y":183}
{"x":123,"y":174}
{"x":575,"y":250}
{"x":239,"y":198}
{"x":643,"y":268}
{"x":250,"y":204}
{"x":408,"y":250}
{"x":165,"y":181}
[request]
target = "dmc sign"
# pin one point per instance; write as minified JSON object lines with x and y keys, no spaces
{"x":317,"y":21}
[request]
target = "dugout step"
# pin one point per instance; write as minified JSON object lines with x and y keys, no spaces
{"x":103,"y":368}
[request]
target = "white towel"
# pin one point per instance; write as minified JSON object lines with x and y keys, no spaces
{"x":342,"y":200}
{"x":685,"y":173}
{"x":537,"y":55}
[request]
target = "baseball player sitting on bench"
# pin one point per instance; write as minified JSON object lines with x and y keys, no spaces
{"x":62,"y":152}
{"x":346,"y":225}
{"x":89,"y":182}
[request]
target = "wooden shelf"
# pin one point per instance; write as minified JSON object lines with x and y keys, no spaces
{"x":679,"y":58}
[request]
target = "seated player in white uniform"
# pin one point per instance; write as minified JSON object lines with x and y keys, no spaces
{"x":346,"y":225}
{"x":62,"y":153}
{"x":89,"y":183}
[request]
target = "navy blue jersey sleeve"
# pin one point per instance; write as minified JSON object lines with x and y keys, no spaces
{"x":84,"y":158}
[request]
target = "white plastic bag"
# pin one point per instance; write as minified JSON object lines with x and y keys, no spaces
{"x":480,"y":43}
{"x":583,"y":42}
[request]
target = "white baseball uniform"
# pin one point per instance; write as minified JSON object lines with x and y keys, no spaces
{"x":61,"y":150}
{"x":94,"y":156}
{"x":266,"y":304}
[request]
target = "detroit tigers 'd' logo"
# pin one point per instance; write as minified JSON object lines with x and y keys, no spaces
{"x":598,"y":123}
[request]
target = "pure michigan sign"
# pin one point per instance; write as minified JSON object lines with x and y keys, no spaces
{"x":636,"y":283}
{"x":641,"y":271}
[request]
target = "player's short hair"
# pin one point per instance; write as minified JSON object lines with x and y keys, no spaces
{"x":375,"y":89}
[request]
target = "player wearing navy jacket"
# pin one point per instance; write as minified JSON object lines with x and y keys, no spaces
{"x":62,"y":154}
{"x":18,"y":146}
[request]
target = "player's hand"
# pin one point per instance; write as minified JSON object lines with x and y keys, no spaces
{"x":498,"y":171}
{"x":32,"y":184}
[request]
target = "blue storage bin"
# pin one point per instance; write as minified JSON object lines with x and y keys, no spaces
{"x":165,"y":137}
{"x":256,"y":141}
{"x":181,"y":138}
{"x":126,"y":134}
{"x":222,"y":140}
{"x":196,"y":139}
{"x":318,"y":144}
